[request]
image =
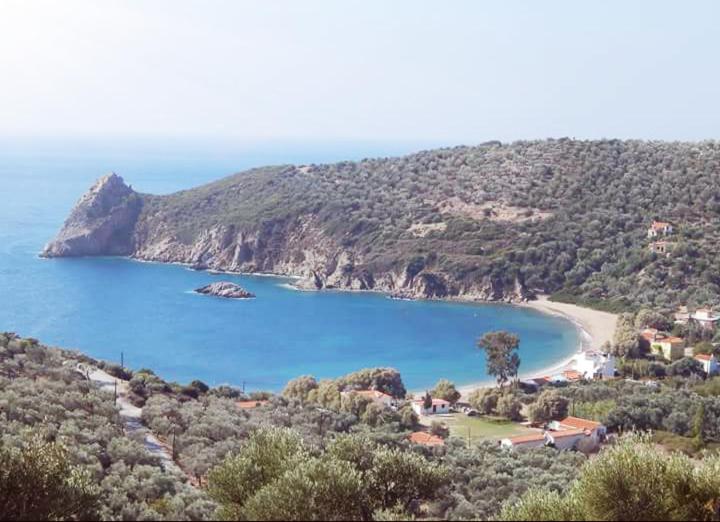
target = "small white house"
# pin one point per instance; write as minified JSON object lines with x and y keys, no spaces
{"x":438,"y":406}
{"x":378,"y":397}
{"x":562,"y":440}
{"x":595,"y":365}
{"x":705,"y":318}
{"x":709,"y":362}
{"x":592,"y":429}
{"x":658,"y":228}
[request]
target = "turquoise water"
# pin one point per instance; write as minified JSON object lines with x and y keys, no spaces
{"x":103,"y":306}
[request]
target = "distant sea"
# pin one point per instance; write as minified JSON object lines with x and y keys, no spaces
{"x":105,"y":306}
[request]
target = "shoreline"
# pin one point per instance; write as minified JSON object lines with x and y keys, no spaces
{"x":595,"y":328}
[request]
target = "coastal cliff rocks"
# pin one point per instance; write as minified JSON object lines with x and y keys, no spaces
{"x":225,"y":289}
{"x":111,"y":219}
{"x":101,"y":223}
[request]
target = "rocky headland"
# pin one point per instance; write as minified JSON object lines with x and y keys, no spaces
{"x":494,"y":222}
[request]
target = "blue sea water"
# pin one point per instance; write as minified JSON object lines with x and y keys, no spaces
{"x":105,"y":306}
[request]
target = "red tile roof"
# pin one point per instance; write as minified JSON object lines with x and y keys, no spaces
{"x":579,"y":424}
{"x":572,"y":375}
{"x":373,"y":394}
{"x":533,"y":437}
{"x":248,"y":405}
{"x":671,"y":340}
{"x":659,"y":225}
{"x":703,"y":357}
{"x":426,"y":439}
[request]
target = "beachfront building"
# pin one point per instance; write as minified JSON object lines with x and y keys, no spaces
{"x":593,"y":364}
{"x":659,"y":228}
{"x":424,"y":438}
{"x":709,"y":362}
{"x":670,"y":347}
{"x":438,"y":406}
{"x":378,"y":397}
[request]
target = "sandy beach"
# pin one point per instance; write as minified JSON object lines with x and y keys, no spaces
{"x":596,"y":328}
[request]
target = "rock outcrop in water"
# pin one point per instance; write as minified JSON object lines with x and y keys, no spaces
{"x":102,"y":222}
{"x":225,"y":289}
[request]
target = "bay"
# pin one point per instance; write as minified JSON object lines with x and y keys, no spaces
{"x":147,"y":311}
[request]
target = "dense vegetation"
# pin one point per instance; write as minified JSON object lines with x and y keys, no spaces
{"x":320,"y":450}
{"x":560,"y":216}
{"x":44,"y":402}
{"x":630,"y":481}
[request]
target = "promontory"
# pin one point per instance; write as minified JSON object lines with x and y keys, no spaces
{"x":493,"y":222}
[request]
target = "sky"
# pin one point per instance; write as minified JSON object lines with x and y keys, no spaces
{"x":443,"y":72}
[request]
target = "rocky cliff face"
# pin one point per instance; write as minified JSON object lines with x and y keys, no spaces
{"x":102,"y":222}
{"x":112,"y":219}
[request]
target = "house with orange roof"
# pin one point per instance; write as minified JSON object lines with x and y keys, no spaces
{"x":572,"y":375}
{"x":651,"y":335}
{"x":709,"y":362}
{"x":562,"y":440}
{"x":659,"y":228}
{"x":594,"y":429}
{"x":249,"y":405}
{"x":425,"y":438}
{"x":670,"y":347}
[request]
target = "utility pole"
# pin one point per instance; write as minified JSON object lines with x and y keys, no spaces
{"x":174,"y":455}
{"x":122,"y":359}
{"x":243,"y":388}
{"x":115,"y":391}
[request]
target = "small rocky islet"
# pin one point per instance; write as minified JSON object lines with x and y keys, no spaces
{"x":225,"y":289}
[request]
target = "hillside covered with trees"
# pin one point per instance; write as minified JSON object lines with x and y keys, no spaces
{"x":321,"y":450}
{"x":490,"y":222}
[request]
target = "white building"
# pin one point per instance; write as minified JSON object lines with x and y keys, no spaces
{"x":705,"y":318}
{"x":594,"y":430}
{"x":595,"y":365}
{"x":659,"y":228}
{"x":438,"y":406}
{"x":709,"y":362}
{"x":378,"y":397}
{"x":562,"y":440}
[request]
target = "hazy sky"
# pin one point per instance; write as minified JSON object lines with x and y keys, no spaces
{"x":452,"y":71}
